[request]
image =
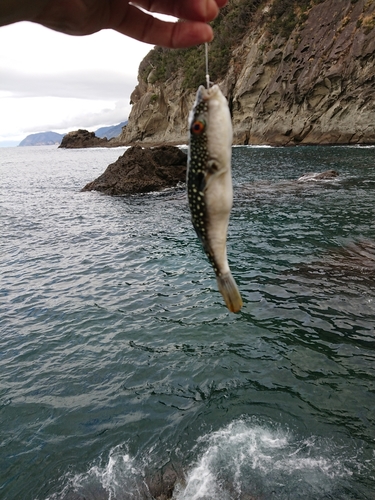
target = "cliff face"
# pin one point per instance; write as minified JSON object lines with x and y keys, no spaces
{"x":315,"y":87}
{"x":159,"y":113}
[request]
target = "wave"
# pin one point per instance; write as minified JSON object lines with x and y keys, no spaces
{"x":248,"y":459}
{"x":253,"y":146}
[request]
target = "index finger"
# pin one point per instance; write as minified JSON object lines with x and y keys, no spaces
{"x":192,"y":10}
{"x":146,"y":28}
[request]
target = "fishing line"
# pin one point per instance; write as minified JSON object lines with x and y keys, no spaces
{"x":207,"y":75}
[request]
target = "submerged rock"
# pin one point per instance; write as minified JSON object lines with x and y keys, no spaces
{"x":162,"y":483}
{"x":319,"y":176}
{"x":83,"y":139}
{"x":354,"y":263}
{"x":141,"y":170}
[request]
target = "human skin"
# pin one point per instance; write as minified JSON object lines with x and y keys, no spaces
{"x":84,"y":17}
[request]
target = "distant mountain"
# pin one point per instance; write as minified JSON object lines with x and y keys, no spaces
{"x":110,"y":132}
{"x":42,"y":139}
{"x":51,"y":138}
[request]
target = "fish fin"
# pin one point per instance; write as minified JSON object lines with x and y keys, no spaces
{"x":212,"y":167}
{"x":212,"y":171}
{"x":229,"y":290}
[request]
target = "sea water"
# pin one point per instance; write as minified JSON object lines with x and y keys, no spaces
{"x":124,"y":376}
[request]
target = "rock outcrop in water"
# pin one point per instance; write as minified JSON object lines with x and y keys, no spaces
{"x":141,"y":170}
{"x":312,"y":85}
{"x":84,"y":139}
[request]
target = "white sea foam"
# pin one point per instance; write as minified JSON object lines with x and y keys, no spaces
{"x":250,"y":458}
{"x":120,"y":478}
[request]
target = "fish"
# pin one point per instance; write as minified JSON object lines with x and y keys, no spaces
{"x":209,"y":184}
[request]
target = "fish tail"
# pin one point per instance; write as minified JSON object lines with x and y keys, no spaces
{"x":228,"y":289}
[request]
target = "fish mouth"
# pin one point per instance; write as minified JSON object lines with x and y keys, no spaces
{"x":204,"y":94}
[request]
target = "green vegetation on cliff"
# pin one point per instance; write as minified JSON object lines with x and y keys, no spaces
{"x":233,"y":22}
{"x":229,"y":28}
{"x":285,"y":15}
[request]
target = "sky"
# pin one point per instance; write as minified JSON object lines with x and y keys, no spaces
{"x":52,"y":81}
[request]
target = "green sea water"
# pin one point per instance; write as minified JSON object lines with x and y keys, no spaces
{"x":120,"y":364}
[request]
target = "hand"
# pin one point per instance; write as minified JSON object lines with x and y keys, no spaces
{"x":83,"y":17}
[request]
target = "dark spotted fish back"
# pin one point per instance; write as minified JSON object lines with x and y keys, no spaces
{"x":198,"y":157}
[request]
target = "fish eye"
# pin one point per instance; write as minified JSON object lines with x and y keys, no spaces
{"x":197,"y":127}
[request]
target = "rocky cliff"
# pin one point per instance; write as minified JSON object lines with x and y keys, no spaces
{"x":300,"y":76}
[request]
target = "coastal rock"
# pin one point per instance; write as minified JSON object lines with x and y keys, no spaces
{"x":314,"y":87}
{"x":141,"y":170}
{"x":161,"y":484}
{"x":319,"y":176}
{"x":83,"y":139}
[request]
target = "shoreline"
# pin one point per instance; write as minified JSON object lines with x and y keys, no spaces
{"x":185,"y":144}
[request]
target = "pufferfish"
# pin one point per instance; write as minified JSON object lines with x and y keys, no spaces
{"x":209,"y":183}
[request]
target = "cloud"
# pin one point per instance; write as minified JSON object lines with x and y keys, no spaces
{"x":92,"y":84}
{"x":52,"y":81}
{"x":87,"y":119}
